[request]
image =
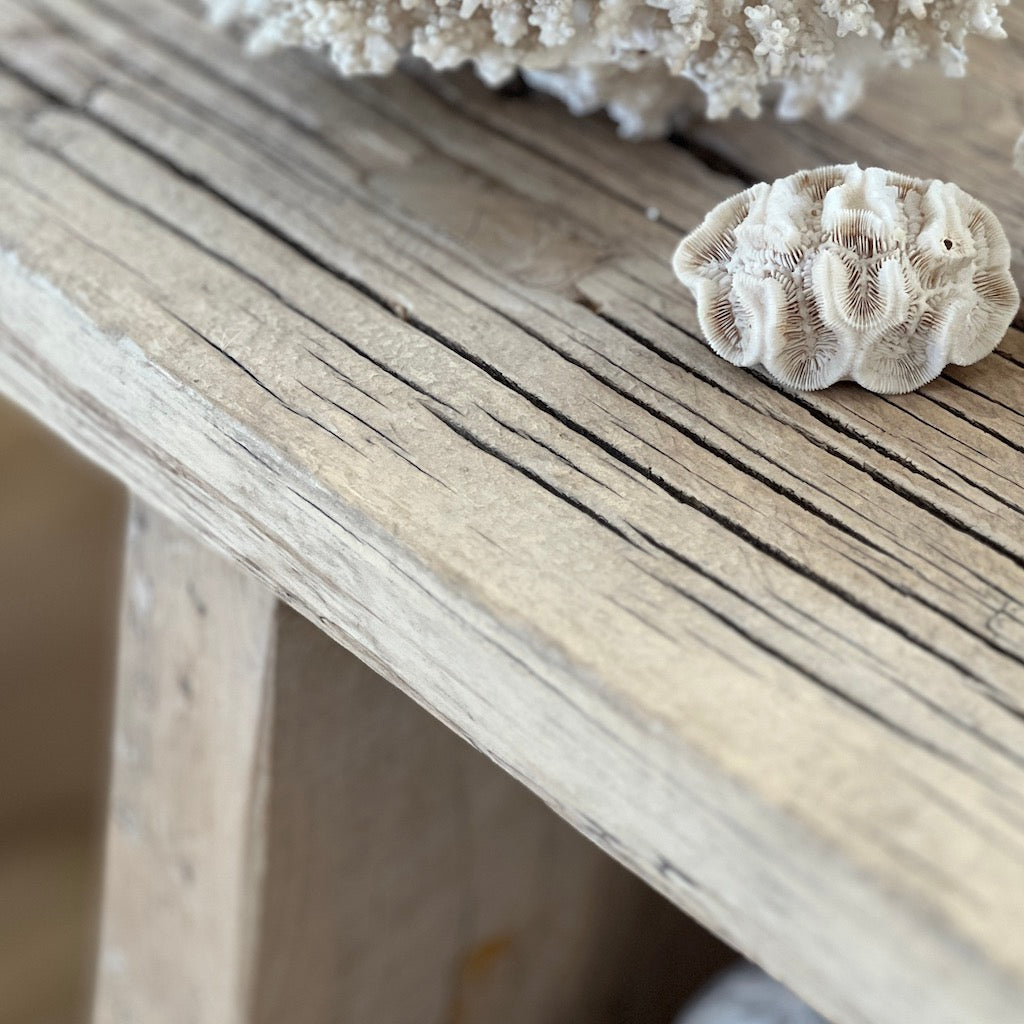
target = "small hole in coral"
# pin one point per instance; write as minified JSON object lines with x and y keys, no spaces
{"x":947,"y":243}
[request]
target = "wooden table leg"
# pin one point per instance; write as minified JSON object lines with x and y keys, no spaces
{"x":292,"y":838}
{"x":187,"y":815}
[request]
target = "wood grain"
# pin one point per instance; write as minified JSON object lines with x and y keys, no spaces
{"x":184,"y":852}
{"x":413,"y":354}
{"x":410,"y":880}
{"x":293,"y":838}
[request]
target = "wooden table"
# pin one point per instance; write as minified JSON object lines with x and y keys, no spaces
{"x":410,"y":353}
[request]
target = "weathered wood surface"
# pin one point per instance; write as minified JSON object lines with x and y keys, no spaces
{"x":412,"y":353}
{"x":185,"y":851}
{"x":291,"y":838}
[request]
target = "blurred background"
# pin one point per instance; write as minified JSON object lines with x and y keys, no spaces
{"x":60,"y":543}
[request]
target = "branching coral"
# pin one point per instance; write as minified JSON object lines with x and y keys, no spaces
{"x":635,"y":56}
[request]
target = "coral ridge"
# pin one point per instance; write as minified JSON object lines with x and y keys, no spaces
{"x":848,"y":273}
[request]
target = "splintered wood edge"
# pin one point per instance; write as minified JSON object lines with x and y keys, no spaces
{"x":749,"y":872}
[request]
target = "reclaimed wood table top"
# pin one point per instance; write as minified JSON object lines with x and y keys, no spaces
{"x":412,"y":352}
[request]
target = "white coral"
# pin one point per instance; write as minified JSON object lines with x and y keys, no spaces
{"x":840,"y":273}
{"x":633,"y":56}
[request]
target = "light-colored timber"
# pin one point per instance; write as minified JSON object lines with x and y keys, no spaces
{"x":412,"y":353}
{"x":292,"y":838}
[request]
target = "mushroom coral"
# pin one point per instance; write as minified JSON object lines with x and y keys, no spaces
{"x":637,"y":58}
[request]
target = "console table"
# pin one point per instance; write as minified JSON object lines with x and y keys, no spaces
{"x":402,"y":384}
